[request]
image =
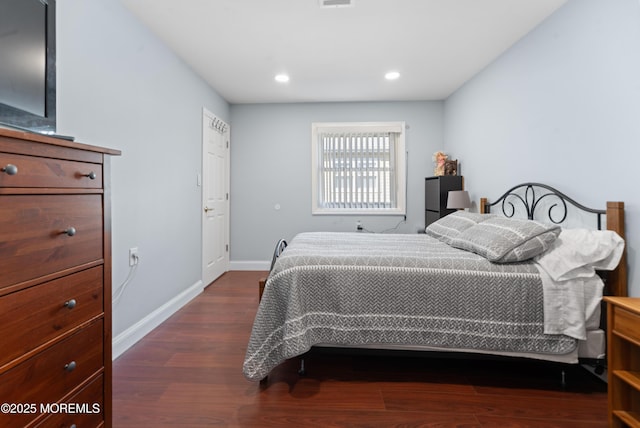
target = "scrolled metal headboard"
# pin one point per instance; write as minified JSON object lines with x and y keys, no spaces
{"x":526,"y":195}
{"x":280,"y":246}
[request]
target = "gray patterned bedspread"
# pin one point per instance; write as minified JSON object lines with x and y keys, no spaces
{"x":359,"y":289}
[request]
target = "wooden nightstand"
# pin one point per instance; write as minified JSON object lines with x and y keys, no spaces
{"x":623,"y":339}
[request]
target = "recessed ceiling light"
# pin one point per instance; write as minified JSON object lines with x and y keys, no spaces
{"x":392,"y":75}
{"x":282,"y":78}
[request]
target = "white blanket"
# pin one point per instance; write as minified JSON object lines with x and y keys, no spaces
{"x":572,"y":289}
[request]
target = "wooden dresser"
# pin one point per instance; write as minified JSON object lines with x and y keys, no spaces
{"x":55,"y":282}
{"x":624,"y":361}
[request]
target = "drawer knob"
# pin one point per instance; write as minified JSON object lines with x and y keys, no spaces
{"x":70,"y":303}
{"x":10,"y":169}
{"x":92,"y":175}
{"x":70,"y":231}
{"x":70,"y":367}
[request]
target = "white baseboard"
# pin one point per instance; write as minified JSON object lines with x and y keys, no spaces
{"x":133,"y":334}
{"x":249,"y":265}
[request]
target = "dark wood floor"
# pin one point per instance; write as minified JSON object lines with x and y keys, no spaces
{"x":188,"y":373}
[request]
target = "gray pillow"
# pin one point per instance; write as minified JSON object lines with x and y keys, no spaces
{"x":449,"y":227}
{"x":504,"y":240}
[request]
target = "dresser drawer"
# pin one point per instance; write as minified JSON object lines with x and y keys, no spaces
{"x":626,"y":323}
{"x":33,"y":241}
{"x":90,"y":414}
{"x":34,"y":316}
{"x":52,"y":374}
{"x":32,"y":171}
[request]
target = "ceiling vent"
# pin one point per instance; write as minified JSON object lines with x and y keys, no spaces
{"x":335,"y":3}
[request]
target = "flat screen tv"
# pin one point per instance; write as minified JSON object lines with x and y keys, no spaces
{"x":28,"y":64}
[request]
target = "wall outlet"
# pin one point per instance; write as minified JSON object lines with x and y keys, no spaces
{"x":133,"y":256}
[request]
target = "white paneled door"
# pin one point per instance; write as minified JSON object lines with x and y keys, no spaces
{"x":215,"y":197}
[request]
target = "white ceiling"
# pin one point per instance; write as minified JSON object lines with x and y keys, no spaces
{"x":339,"y":54}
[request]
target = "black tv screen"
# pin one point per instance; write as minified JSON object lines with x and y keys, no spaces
{"x":28,"y":64}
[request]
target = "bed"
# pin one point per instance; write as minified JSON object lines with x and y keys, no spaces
{"x":489,"y":283}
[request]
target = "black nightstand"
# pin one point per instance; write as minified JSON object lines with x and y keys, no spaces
{"x":436,"y":190}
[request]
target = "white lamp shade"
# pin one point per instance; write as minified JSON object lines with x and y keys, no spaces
{"x":458,"y":199}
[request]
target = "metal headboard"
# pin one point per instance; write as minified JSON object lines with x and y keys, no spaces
{"x":280,"y":246}
{"x":526,"y":195}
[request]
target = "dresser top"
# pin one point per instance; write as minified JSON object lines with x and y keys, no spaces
{"x":630,"y":303}
{"x":44,"y":139}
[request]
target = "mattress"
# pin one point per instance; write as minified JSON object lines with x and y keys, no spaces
{"x":593,"y":348}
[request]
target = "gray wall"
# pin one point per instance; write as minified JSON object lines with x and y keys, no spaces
{"x":561,"y":107}
{"x":119,"y":87}
{"x":271,"y":161}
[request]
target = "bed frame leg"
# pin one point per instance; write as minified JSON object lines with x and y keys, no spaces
{"x":563,"y":379}
{"x":302,"y":371}
{"x":264,"y":381}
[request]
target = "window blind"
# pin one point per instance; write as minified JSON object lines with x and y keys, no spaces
{"x":357,"y":170}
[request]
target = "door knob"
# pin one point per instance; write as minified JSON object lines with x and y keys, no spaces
{"x":207,"y":209}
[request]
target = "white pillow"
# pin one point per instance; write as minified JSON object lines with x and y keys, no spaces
{"x":576,"y":253}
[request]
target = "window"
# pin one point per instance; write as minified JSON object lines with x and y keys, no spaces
{"x":358,"y":168}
